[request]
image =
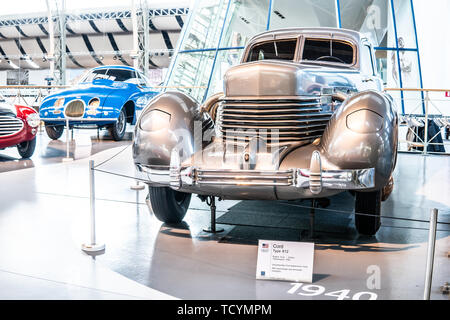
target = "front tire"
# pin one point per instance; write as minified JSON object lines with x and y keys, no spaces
{"x":54,"y":132}
{"x":117,"y":130}
{"x":168,"y":205}
{"x":26,"y":149}
{"x":368,"y":203}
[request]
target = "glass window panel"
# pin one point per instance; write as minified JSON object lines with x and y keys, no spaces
{"x":409,"y":66}
{"x":404,"y":22}
{"x":191,"y":73}
{"x":303,"y":13}
{"x":370,"y":17}
{"x":246,"y":18}
{"x":381,"y":64}
{"x":205,"y":25}
{"x":279,"y":50}
{"x":225,"y":60}
{"x":388,"y":71}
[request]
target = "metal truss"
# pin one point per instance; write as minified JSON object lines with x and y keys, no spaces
{"x":57,"y":35}
{"x":140,"y":17}
{"x":106,"y":15}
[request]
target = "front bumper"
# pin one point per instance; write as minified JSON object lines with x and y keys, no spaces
{"x":26,"y":134}
{"x":305,"y":182}
{"x":79,"y":121}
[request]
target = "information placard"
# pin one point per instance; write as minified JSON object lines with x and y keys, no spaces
{"x":285,"y":260}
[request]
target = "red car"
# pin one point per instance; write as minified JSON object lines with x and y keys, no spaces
{"x":18,"y":127}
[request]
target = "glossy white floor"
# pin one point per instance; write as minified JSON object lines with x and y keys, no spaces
{"x":44,"y":218}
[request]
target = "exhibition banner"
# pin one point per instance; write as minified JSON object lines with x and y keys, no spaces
{"x":285,"y":260}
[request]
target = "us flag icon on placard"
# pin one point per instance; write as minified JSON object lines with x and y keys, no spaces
{"x":265,"y":246}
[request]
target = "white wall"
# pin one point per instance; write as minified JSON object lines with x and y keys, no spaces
{"x":433,"y":34}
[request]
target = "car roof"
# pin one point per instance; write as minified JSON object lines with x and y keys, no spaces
{"x":356,"y":36}
{"x":114,"y":67}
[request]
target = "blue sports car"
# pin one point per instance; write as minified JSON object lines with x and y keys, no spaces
{"x":107,"y":97}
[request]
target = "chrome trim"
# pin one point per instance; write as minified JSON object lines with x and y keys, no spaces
{"x":177,"y":177}
{"x":10,"y":126}
{"x":279,"y":121}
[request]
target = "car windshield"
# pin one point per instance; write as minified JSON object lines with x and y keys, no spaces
{"x":280,"y":50}
{"x":328,"y":50}
{"x":110,"y":74}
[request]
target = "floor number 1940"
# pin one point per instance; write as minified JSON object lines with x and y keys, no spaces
{"x":311,"y":290}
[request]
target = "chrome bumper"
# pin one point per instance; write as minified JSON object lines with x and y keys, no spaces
{"x":177,"y":177}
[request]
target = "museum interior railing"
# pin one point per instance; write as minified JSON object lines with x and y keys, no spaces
{"x":424,"y":127}
{"x":30,"y":96}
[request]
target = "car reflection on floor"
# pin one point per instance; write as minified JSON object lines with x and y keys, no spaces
{"x":84,"y":144}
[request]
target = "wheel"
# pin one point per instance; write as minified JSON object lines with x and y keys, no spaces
{"x":117,"y":130}
{"x":168,"y":205}
{"x":53,"y":131}
{"x":26,"y":149}
{"x":368,"y":203}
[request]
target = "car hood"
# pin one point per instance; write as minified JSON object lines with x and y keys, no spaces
{"x":282,"y":78}
{"x":88,"y":91}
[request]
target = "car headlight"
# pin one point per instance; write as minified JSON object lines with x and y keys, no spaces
{"x":33,"y":120}
{"x":364,"y":121}
{"x":141,"y":101}
{"x":155,"y":120}
{"x":59,"y":103}
{"x":94,"y":102}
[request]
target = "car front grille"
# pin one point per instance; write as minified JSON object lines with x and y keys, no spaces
{"x":279,"y":121}
{"x":9,"y":125}
{"x":74,"y":109}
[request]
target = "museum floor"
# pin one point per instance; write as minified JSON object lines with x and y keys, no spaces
{"x":44,"y":219}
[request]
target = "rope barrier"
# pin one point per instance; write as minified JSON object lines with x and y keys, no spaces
{"x":363,"y":214}
{"x":115,"y":155}
{"x":282,"y":203}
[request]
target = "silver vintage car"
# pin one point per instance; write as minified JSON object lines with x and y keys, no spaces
{"x":302,"y":117}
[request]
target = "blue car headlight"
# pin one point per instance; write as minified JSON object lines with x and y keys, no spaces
{"x":364,"y":121}
{"x":154,"y":120}
{"x":59,"y":103}
{"x":141,"y":101}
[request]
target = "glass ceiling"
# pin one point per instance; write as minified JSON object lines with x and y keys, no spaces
{"x":35,"y":6}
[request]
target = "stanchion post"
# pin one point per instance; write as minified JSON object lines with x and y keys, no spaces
{"x":430,"y":253}
{"x":425,"y":134}
{"x":212,"y":227}
{"x":93,"y":246}
{"x":137,"y":186}
{"x":67,"y":158}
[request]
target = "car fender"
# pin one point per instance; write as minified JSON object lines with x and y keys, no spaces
{"x":184,"y":113}
{"x":373,"y":147}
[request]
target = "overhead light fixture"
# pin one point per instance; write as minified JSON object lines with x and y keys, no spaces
{"x":245,"y":20}
{"x":278,"y":13}
{"x":31,"y":63}
{"x":12,"y":64}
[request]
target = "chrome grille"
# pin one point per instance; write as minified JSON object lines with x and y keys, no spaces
{"x":9,"y":125}
{"x":74,"y":109}
{"x":298,"y":119}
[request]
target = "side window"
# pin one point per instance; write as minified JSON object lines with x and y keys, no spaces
{"x":366,"y":63}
